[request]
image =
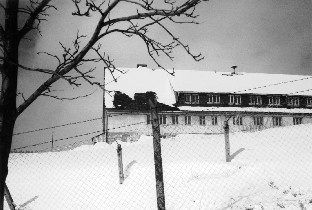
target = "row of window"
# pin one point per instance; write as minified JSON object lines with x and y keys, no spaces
{"x":258,"y":121}
{"x":253,"y":100}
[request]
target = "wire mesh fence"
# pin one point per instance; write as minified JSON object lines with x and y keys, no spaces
{"x":268,"y":165}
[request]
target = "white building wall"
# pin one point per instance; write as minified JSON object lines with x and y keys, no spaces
{"x":136,"y":124}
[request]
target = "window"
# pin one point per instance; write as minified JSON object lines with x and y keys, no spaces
{"x":258,"y":121}
{"x":289,"y":101}
{"x":191,"y":98}
{"x":277,"y":121}
{"x":237,"y":121}
{"x":175,"y":119}
{"x":195,"y":99}
{"x":202,"y":120}
{"x":255,"y":100}
{"x":252,"y":100}
{"x":187,"y":120}
{"x":235,"y":100}
{"x":297,"y":120}
{"x":148,"y":119}
{"x":187,"y":98}
{"x":214,"y":120}
{"x":162,"y":119}
{"x":213,"y":99}
{"x":258,"y":100}
{"x":296,"y":101}
{"x":293,"y":101}
{"x":274,"y":100}
{"x":309,"y":101}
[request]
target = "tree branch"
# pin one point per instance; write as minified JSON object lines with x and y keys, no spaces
{"x":34,"y":16}
{"x":67,"y":98}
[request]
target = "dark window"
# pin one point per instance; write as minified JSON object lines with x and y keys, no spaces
{"x":214,"y":120}
{"x":255,"y":100}
{"x":297,"y":120}
{"x":162,"y":119}
{"x":309,"y":101}
{"x":175,"y":119}
{"x":188,"y":120}
{"x":237,"y":121}
{"x":277,"y":121}
{"x":258,"y":121}
{"x":195,"y":99}
{"x":202,"y":120}
{"x":187,"y":98}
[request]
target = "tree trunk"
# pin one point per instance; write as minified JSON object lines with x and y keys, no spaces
{"x":8,"y":113}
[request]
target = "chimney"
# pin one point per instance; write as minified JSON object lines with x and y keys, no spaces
{"x":141,"y":65}
{"x":234,"y":67}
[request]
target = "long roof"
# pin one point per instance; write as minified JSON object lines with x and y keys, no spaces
{"x":255,"y":83}
{"x":142,"y":79}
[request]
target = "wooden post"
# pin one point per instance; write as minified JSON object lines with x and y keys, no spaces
{"x":157,"y":157}
{"x":106,"y":128}
{"x":8,"y":197}
{"x":227,"y":141}
{"x":52,"y":142}
{"x":120,"y":164}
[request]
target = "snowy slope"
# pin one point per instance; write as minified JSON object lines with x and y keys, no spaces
{"x":272,"y":170}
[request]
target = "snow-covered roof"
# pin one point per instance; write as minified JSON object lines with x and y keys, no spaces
{"x":256,"y":83}
{"x":142,"y":79}
{"x":245,"y":109}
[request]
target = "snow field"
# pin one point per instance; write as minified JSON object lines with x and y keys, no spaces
{"x":270,"y":169}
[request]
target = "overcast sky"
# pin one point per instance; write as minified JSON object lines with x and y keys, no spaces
{"x":271,"y":36}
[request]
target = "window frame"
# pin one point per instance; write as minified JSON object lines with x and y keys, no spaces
{"x":258,"y":100}
{"x":235,"y":100}
{"x":202,"y":120}
{"x":274,"y":100}
{"x":309,"y":101}
{"x":188,"y":98}
{"x":188,"y":120}
{"x":252,"y":100}
{"x":238,"y":120}
{"x":162,"y":118}
{"x":175,"y":119}
{"x":213,"y":99}
{"x":277,"y":121}
{"x":258,"y":121}
{"x":297,"y":120}
{"x":214,"y":120}
{"x":194,"y":99}
{"x":296,"y":101}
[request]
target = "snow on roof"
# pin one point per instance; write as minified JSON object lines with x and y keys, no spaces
{"x":142,"y":79}
{"x":256,"y":83}
{"x":245,"y":109}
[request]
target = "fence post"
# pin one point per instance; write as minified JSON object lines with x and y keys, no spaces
{"x":227,"y":141}
{"x":8,"y":197}
{"x":157,"y":157}
{"x":120,"y":164}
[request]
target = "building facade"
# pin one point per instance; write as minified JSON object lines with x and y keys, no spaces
{"x":205,"y":100}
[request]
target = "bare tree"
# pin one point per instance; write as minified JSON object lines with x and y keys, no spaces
{"x":71,"y":59}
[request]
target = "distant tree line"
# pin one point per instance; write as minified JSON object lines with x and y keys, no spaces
{"x":140,"y":102}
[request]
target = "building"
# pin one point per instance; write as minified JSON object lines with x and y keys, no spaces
{"x":206,"y":99}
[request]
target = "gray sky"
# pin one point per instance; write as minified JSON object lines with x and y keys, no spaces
{"x":272,"y":36}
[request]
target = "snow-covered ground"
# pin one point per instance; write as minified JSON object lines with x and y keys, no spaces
{"x":270,"y":169}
